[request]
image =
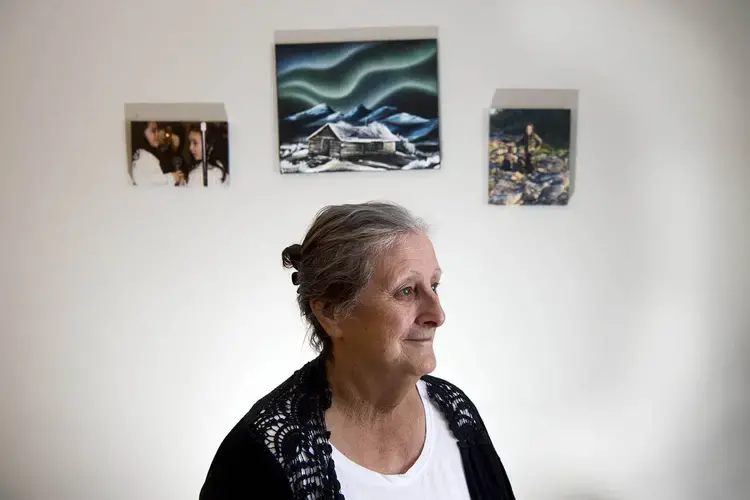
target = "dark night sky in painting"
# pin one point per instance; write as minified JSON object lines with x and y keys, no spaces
{"x":401,"y":73}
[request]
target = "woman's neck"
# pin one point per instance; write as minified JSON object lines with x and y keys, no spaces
{"x":367,"y":394}
{"x":376,"y":418}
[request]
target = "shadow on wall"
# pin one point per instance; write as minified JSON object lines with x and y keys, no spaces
{"x":724,"y":454}
{"x":13,"y":494}
{"x":588,"y":496}
{"x":578,"y":488}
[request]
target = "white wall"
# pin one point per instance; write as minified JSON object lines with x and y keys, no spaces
{"x":605,"y":343}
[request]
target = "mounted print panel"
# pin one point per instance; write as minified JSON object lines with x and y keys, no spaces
{"x":529,"y":151}
{"x":176,"y":144}
{"x":169,"y":153}
{"x":358,"y":106}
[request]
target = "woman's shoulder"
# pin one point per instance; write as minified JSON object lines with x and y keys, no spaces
{"x":460,"y":411}
{"x":141,"y":154}
{"x":241,"y":466}
{"x":472,"y":436}
{"x":294,"y":398}
{"x":444,"y":389}
{"x":292,"y":403}
{"x":216,"y":175}
{"x":253,"y":451}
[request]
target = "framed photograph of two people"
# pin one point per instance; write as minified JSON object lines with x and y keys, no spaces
{"x":167,"y":149}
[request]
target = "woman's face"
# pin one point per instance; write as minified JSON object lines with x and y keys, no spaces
{"x":394,"y":323}
{"x":196,"y":148}
{"x":152,"y":134}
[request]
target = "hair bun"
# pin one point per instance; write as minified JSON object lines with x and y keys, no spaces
{"x":292,"y":256}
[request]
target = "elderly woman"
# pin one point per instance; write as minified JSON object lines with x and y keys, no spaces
{"x":363,"y":420}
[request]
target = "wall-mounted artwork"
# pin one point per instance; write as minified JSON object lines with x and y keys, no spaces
{"x":358,"y":106}
{"x":170,"y":145}
{"x":172,"y":154}
{"x":529,"y":151}
{"x":532,"y":146}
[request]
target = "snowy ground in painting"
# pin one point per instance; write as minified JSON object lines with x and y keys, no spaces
{"x":295,"y":158}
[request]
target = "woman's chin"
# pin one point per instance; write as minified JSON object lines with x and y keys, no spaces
{"x":423,"y":363}
{"x":428,"y":366}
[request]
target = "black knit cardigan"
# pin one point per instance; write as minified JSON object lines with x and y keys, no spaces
{"x":280,"y":449}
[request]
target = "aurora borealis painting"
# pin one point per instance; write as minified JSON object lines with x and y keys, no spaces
{"x":358,"y":106}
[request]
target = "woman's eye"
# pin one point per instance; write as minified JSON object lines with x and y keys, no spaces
{"x":406,"y":292}
{"x":435,"y":287}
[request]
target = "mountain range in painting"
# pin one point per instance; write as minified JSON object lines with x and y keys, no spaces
{"x":416,"y":129}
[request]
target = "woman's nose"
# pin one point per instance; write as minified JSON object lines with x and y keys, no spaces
{"x":433,"y":314}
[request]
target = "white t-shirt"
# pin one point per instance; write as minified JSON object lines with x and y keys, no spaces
{"x":215,"y":176}
{"x":147,"y":171}
{"x":437,"y":474}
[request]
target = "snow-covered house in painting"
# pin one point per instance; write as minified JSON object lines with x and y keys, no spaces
{"x":342,"y":140}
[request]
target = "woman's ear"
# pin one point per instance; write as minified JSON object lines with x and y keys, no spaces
{"x":325,"y":312}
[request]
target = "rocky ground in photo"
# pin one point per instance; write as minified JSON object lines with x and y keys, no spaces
{"x":548,"y":184}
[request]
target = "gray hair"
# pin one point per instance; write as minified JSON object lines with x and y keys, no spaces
{"x":337,"y":258}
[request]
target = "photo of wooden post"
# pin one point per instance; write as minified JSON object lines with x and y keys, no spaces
{"x":532,"y":146}
{"x":528,"y":156}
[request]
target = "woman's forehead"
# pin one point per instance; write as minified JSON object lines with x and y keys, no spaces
{"x":397,"y":267}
